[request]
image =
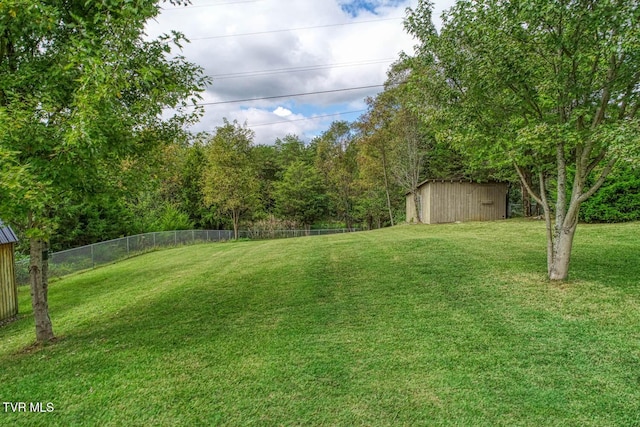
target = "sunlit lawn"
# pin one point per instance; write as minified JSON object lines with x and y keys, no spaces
{"x":416,"y":325}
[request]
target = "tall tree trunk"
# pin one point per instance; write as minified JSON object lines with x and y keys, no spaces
{"x":418,"y":206}
{"x":562,"y":245}
{"x":526,"y":197}
{"x":235,"y":218}
{"x":38,"y":269}
{"x":386,"y":186}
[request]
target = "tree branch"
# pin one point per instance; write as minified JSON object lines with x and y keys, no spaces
{"x":536,"y":197}
{"x":606,"y":92}
{"x":603,"y":175}
{"x":594,"y":163}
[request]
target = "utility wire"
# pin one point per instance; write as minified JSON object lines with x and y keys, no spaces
{"x":293,"y":29}
{"x":288,"y":96}
{"x":299,"y":69}
{"x":299,"y":120}
{"x":307,"y":118}
{"x":190,"y":6}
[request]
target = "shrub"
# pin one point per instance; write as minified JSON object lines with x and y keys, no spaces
{"x":617,"y":201}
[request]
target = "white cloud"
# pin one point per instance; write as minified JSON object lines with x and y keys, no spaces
{"x":259,"y":65}
{"x":282,"y":112}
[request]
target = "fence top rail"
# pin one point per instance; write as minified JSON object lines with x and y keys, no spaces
{"x":76,"y":259}
{"x":313,"y":230}
{"x":305,"y":231}
{"x":132,"y":237}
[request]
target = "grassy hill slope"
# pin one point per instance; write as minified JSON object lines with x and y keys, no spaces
{"x":415,"y":325}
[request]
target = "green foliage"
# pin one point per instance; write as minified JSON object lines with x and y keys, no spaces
{"x":229,"y":180}
{"x":617,"y":201}
{"x":191,"y":199}
{"x":292,"y":149}
{"x":513,"y":79}
{"x":101,"y":217}
{"x":171,"y":218}
{"x":268,"y":171}
{"x":83,"y":90}
{"x":300,"y":195}
{"x":336,"y":160}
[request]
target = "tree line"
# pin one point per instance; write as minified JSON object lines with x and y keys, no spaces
{"x":349,"y":176}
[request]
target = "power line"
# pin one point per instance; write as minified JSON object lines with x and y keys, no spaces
{"x":289,"y":96}
{"x":299,"y":69}
{"x":190,"y":6}
{"x":308,"y":118}
{"x":301,"y":120}
{"x":294,"y":29}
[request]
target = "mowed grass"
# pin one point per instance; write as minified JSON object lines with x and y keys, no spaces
{"x":452,"y":325}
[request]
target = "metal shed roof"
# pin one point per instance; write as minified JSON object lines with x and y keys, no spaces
{"x":6,"y":234}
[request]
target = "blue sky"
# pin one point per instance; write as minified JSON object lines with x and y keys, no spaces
{"x":357,"y":7}
{"x":267,"y":48}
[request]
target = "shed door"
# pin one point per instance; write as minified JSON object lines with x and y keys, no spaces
{"x":8,"y":291}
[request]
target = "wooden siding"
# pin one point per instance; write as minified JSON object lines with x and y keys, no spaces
{"x":8,"y":291}
{"x":445,"y":201}
{"x":423,"y":194}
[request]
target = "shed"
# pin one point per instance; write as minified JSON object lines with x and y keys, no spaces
{"x":441,"y":201}
{"x":8,"y":288}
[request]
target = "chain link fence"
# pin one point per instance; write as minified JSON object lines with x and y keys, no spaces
{"x":90,"y":256}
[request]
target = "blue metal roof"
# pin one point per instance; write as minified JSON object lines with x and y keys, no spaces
{"x":6,"y":234}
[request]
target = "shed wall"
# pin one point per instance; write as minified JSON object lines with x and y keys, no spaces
{"x":8,"y":291}
{"x":424,"y":195}
{"x":466,"y":201}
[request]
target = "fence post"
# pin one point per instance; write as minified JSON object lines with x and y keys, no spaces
{"x":93,"y":261}
{"x":175,"y":237}
{"x":127,"y":245}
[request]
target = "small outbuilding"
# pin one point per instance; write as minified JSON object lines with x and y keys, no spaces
{"x":8,"y":288}
{"x":442,"y":201}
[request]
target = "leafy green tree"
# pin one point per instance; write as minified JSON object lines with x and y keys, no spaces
{"x":268,"y":171}
{"x":292,"y":149}
{"x":82,"y":89}
{"x":230,"y":183}
{"x":192,"y":196}
{"x":300,"y":195}
{"x":551,"y":87}
{"x":376,"y":153}
{"x":336,"y":159}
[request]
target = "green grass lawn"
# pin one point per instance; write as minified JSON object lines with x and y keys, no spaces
{"x":450,"y":325}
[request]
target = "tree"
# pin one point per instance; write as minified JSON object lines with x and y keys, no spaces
{"x":401,"y":142}
{"x":549,"y":87}
{"x":300,"y":195}
{"x":230,"y":184}
{"x":411,"y":153}
{"x":336,"y":159}
{"x":192,"y":196}
{"x":376,"y":148}
{"x":268,"y":170}
{"x":83,"y":89}
{"x":292,"y":149}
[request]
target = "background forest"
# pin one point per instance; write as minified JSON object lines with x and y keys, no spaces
{"x":354,"y":175}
